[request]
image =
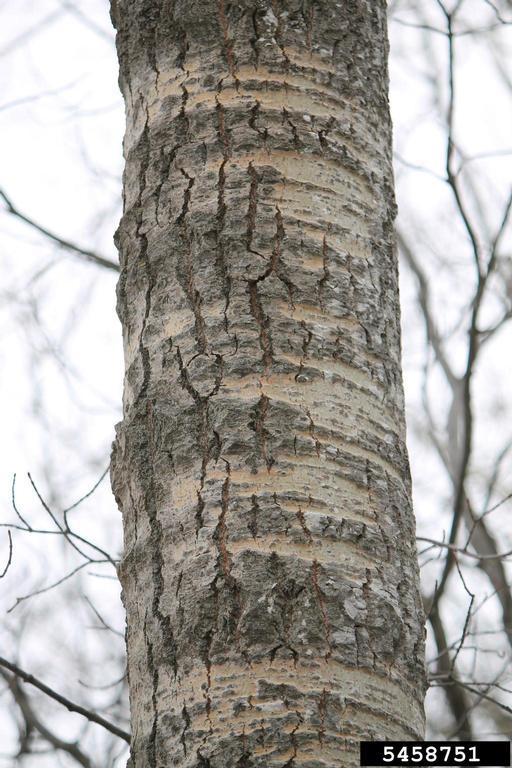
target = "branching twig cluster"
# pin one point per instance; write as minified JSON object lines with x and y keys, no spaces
{"x":11,"y":672}
{"x":60,"y":528}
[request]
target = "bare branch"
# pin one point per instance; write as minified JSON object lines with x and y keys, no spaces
{"x":35,"y":29}
{"x":106,"y":686}
{"x":32,"y":722}
{"x":482,"y":695}
{"x":26,"y":525}
{"x":36,"y":96}
{"x":477,"y":519}
{"x":451,"y":172}
{"x":52,"y":585}
{"x":497,"y":12}
{"x":86,"y":21}
{"x":68,"y":533}
{"x":424,"y":298}
{"x":467,"y":620}
{"x":473,"y":347}
{"x":463,"y":550}
{"x":421,"y":168}
{"x":104,"y":624}
{"x":89,"y":493}
{"x":9,"y":559}
{"x":502,"y":228}
{"x":63,"y":243}
{"x":91,"y":716}
{"x":455,"y":695}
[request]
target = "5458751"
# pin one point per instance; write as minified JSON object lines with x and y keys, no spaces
{"x":435,"y":753}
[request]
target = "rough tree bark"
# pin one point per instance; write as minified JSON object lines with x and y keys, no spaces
{"x":269,"y":572}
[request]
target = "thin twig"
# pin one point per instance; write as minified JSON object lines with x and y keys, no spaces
{"x":53,"y":585}
{"x":9,"y":559}
{"x":467,"y":620}
{"x":463,"y":550}
{"x":433,"y":335}
{"x":62,"y":242}
{"x":67,"y":532}
{"x":497,"y":12}
{"x":456,"y":697}
{"x":89,"y":493}
{"x":98,"y":615}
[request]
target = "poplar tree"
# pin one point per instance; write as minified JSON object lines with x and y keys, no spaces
{"x":269,"y":573}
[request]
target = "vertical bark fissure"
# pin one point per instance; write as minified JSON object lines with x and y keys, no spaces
{"x":252,"y":208}
{"x":321,"y":606}
{"x":142,"y":237}
{"x":168,"y":643}
{"x":221,"y":209}
{"x":263,"y":322}
{"x":227,"y":42}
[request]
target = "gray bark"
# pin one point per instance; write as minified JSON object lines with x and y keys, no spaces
{"x":269,"y":572}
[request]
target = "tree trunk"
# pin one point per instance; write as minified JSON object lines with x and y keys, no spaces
{"x":269,"y":572}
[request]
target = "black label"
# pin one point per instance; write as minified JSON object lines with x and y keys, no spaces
{"x":448,"y":753}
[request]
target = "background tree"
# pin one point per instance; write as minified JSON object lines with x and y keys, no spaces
{"x":460,"y":271}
